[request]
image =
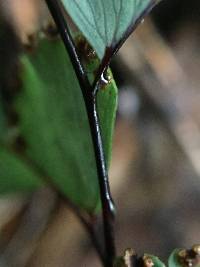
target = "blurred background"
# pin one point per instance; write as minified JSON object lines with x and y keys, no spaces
{"x":155,"y":171}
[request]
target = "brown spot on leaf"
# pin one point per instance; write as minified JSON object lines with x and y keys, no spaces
{"x":85,"y":51}
{"x":50,"y":30}
{"x":20,"y":144}
{"x":31,"y":42}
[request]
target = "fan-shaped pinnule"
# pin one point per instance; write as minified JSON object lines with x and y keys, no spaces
{"x":107,"y":23}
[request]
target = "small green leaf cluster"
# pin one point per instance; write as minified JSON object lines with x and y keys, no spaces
{"x":178,"y":258}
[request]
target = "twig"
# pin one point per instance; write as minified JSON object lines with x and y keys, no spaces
{"x":35,"y":218}
{"x":88,"y":221}
{"x":90,"y":103}
{"x":85,"y":218}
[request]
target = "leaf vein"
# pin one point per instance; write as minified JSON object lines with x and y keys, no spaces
{"x":105,"y":21}
{"x":95,"y":21}
{"x":87,"y":20}
{"x":117,"y":20}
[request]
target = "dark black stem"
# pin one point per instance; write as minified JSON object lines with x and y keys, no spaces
{"x":90,"y":103}
{"x":106,"y":200}
{"x":60,"y":21}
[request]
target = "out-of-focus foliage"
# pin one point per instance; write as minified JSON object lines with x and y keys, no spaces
{"x":15,"y":175}
{"x":54,"y":123}
{"x":130,"y":259}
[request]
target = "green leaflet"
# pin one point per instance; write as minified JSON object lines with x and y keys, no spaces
{"x":105,"y":22}
{"x":54,"y":123}
{"x":173,"y":260}
{"x":15,"y":175}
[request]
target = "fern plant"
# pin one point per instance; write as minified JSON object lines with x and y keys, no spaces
{"x":66,"y":110}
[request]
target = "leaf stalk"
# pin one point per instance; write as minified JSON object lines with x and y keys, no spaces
{"x":89,"y":94}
